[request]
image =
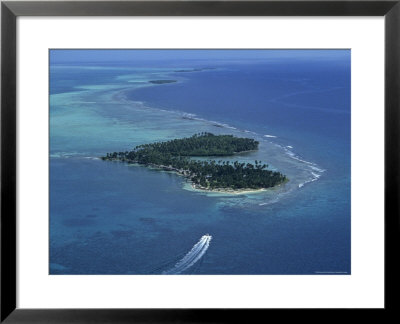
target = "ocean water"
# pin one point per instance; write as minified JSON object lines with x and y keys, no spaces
{"x":111,"y":218}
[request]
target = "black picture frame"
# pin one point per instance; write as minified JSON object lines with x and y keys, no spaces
{"x":10,"y":10}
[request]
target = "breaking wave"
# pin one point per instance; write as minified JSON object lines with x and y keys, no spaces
{"x":194,"y":255}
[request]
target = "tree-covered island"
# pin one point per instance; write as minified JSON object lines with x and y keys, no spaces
{"x":177,"y":155}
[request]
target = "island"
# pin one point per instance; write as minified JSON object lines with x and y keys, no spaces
{"x":194,"y":70}
{"x":189,"y":70}
{"x":162,"y":81}
{"x":179,"y":155}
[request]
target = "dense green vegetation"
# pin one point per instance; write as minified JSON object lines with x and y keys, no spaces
{"x":175,"y":155}
{"x":203,"y":144}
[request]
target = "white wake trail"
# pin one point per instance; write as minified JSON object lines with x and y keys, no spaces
{"x":194,"y":255}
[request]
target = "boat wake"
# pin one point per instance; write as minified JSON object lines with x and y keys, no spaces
{"x":194,"y":255}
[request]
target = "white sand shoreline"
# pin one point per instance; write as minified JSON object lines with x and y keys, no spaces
{"x":227,"y":190}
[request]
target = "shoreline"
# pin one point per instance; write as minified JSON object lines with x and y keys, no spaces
{"x":228,"y":191}
{"x":235,"y":191}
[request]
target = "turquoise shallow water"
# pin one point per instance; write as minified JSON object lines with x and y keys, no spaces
{"x":110,"y":218}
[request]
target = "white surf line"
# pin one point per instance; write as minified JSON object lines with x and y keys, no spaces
{"x":194,"y":255}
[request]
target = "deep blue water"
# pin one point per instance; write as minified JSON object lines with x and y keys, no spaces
{"x":108,"y":218}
